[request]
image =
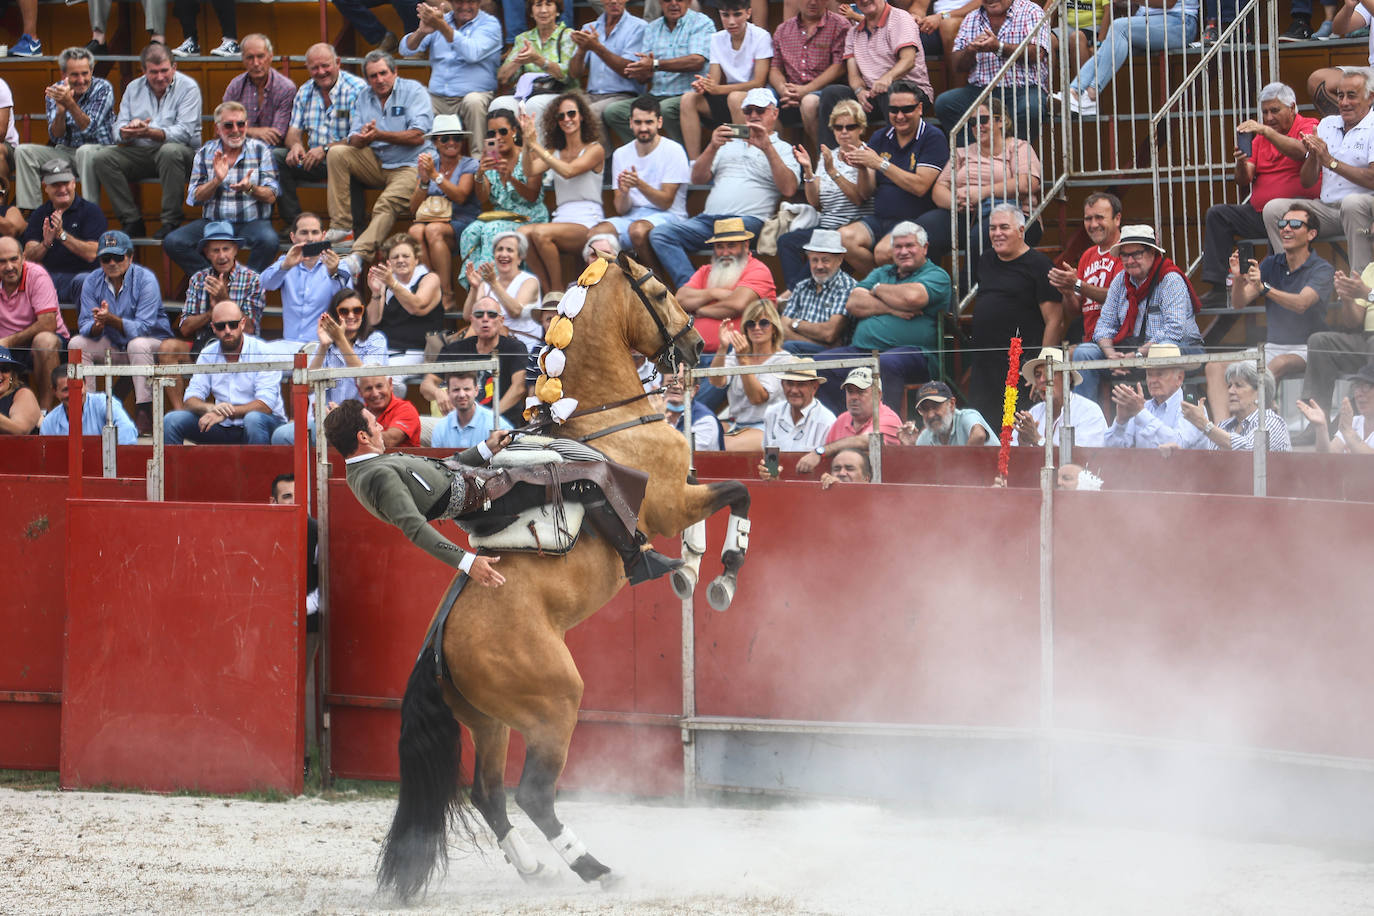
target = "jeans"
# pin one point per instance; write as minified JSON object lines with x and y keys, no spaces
{"x":359,"y":15}
{"x":791,"y":258}
{"x":183,"y":244}
{"x":181,"y":426}
{"x":286,"y":433}
{"x":1092,"y":378}
{"x":674,"y":241}
{"x":1025,"y":106}
{"x":803,"y":347}
{"x":1128,"y":33}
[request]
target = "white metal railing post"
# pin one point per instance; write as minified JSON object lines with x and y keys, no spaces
{"x":108,"y":434}
{"x":689,"y":634}
{"x":1261,"y":441}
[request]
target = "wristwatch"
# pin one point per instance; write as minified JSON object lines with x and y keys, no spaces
{"x":1078,"y":286}
{"x":63,"y":236}
{"x":1332,"y":164}
{"x":820,"y":450}
{"x":796,"y":323}
{"x":1209,"y":427}
{"x":883,"y":166}
{"x":1266,"y":287}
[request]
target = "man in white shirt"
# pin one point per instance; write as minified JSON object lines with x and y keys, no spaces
{"x":650,"y":175}
{"x":229,"y":408}
{"x":1156,"y":420}
{"x":469,"y":422}
{"x":1085,"y":417}
{"x":799,"y":422}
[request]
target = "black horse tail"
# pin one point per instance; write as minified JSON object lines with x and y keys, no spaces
{"x":430,"y":800}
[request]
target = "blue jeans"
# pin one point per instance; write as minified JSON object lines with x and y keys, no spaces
{"x":1133,"y":33}
{"x":1025,"y":104}
{"x":803,"y":347}
{"x":183,"y":244}
{"x":674,"y":241}
{"x":1092,"y":378}
{"x":181,"y":426}
{"x":286,"y":433}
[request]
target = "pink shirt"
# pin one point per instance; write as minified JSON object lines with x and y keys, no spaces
{"x":756,"y":276}
{"x":875,"y":51}
{"x":34,"y":296}
{"x":888,"y":424}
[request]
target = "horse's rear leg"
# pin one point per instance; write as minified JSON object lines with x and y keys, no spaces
{"x":536,"y":795}
{"x":701,"y":502}
{"x":491,"y":740}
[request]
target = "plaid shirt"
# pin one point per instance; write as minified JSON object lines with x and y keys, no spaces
{"x":691,"y":35}
{"x":235,"y":206}
{"x":277,"y":99}
{"x":98,"y":104}
{"x":245,"y":288}
{"x":1021,"y":19}
{"x":810,"y":302}
{"x":324,"y":122}
{"x":802,"y":59}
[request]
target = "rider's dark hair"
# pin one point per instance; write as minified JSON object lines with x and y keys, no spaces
{"x":342,"y":425}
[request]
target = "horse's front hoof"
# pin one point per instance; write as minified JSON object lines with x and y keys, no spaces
{"x":720,"y":593}
{"x":611,"y":881}
{"x":684,"y":582}
{"x":589,"y":869}
{"x":540,"y":875}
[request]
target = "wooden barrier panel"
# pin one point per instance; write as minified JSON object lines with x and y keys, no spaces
{"x":185,"y":647}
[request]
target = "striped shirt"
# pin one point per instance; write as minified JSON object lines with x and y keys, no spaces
{"x":277,"y":99}
{"x":1242,"y":433}
{"x":245,"y":289}
{"x":254,"y":162}
{"x":98,"y":104}
{"x":690,"y":35}
{"x":803,"y":58}
{"x":1021,"y":19}
{"x":810,"y":302}
{"x":323,"y":121}
{"x":836,"y":208}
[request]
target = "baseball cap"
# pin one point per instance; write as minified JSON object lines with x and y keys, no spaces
{"x":861,"y":377}
{"x":55,"y":171}
{"x":759,"y":97}
{"x":938,"y":392}
{"x":114,"y":242}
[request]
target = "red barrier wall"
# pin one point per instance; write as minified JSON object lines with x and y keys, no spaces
{"x":185,"y":647}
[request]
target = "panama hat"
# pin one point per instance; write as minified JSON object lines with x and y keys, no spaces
{"x":805,"y":373}
{"x":1046,"y":354}
{"x":1138,"y":235}
{"x":730,"y":229}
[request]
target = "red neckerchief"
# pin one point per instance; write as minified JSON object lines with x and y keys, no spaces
{"x":1137,"y":296}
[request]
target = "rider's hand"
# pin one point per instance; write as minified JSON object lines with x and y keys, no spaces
{"x":498,"y":439}
{"x":483,"y":573}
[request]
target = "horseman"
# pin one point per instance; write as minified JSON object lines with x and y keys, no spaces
{"x":409,"y":491}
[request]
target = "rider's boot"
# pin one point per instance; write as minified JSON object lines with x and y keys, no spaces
{"x":641,"y":564}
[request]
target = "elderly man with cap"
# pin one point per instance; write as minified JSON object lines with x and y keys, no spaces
{"x":727,"y":286}
{"x":748,"y":179}
{"x":1085,"y":417}
{"x":225,"y":280}
{"x":1149,"y":302}
{"x":852,"y":428}
{"x":945,"y":422}
{"x":813,"y":318}
{"x":121,"y":315}
{"x":1153,"y":417}
{"x":62,"y":233}
{"x":799,"y":422}
{"x":233,"y":179}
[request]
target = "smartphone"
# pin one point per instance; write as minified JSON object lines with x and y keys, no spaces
{"x":1246,"y":142}
{"x":770,"y":460}
{"x":310,"y":249}
{"x":491,"y":147}
{"x":1190,"y":397}
{"x":739,"y":131}
{"x":1246,"y":250}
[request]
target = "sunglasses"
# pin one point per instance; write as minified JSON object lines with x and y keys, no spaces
{"x":351,"y":310}
{"x":1292,"y":224}
{"x":1134,"y":255}
{"x":226,"y":325}
{"x":486,"y":314}
{"x":569,"y":115}
{"x":984,"y":120}
{"x":233,"y":125}
{"x":754,"y":109}
{"x":448,"y":138}
{"x":844,"y":126}
{"x":502,"y":131}
{"x":763,"y":324}
{"x":112,"y":258}
{"x":902,"y":109}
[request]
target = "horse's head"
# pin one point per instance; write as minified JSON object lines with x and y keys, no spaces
{"x":661,"y":329}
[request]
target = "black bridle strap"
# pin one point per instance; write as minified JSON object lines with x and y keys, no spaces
{"x":544,"y":424}
{"x":669,"y":340}
{"x":628,"y":424}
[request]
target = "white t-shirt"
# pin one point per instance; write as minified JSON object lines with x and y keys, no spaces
{"x":526,"y":328}
{"x":737,"y":66}
{"x":7,"y":101}
{"x":665,"y":164}
{"x":1357,"y":424}
{"x":1365,"y":18}
{"x":742,"y":182}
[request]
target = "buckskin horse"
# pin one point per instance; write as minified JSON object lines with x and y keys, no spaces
{"x":504,"y":662}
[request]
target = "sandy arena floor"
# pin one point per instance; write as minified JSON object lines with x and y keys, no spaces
{"x":80,"y":852}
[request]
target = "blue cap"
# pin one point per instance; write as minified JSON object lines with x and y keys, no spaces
{"x":7,"y":361}
{"x":218,"y":230}
{"x":114,"y":242}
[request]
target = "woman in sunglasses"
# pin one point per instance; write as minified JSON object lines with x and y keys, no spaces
{"x":749,"y":395}
{"x":997,"y":168}
{"x":577,"y":160}
{"x":504,"y":191}
{"x":536,"y":67}
{"x":843,"y":193}
{"x":444,"y":202}
{"x":405,"y":300}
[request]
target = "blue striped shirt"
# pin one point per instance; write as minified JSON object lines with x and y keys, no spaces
{"x":691,"y":35}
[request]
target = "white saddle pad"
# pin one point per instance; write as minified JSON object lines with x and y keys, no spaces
{"x":536,"y":530}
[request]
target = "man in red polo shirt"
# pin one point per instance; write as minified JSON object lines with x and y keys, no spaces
{"x":1086,"y":288}
{"x":851,"y":429}
{"x":399,"y":419}
{"x":31,"y":324}
{"x":1271,"y":172}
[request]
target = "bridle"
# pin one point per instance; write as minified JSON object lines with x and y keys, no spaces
{"x":663,"y":357}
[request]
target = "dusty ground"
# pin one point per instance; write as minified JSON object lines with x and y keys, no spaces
{"x":113,"y":853}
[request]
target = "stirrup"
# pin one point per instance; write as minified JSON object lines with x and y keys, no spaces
{"x":650,"y":564}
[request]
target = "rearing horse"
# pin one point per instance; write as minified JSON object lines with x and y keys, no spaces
{"x":506,"y":664}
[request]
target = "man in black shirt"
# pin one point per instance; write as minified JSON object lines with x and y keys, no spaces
{"x":62,"y":233}
{"x":488,"y":337}
{"x":1015,"y":298}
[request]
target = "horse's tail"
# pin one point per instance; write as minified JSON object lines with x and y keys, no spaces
{"x":430,"y":798}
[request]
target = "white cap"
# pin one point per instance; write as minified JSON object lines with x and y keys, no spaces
{"x":759,"y":97}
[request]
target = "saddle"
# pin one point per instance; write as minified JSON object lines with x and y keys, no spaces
{"x":534,"y":510}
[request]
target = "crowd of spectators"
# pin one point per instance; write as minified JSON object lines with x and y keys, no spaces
{"x":465,"y":160}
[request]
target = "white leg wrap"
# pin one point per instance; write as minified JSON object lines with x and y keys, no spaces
{"x":694,"y":539}
{"x":568,"y":846}
{"x":518,"y":853}
{"x":736,"y":535}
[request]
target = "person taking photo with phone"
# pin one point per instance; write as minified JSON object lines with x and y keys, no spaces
{"x":308,"y":276}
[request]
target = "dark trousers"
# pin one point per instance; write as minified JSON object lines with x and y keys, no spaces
{"x":187,"y":12}
{"x":1225,"y":223}
{"x":290,"y":178}
{"x":359,"y":15}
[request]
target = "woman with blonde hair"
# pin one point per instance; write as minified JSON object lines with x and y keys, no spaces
{"x":757,"y":343}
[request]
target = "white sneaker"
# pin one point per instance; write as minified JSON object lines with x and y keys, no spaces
{"x":227,"y":48}
{"x":338,"y":238}
{"x":355,"y":265}
{"x":1083,"y":105}
{"x":188,"y":48}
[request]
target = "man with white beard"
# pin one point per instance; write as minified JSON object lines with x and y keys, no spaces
{"x":732,"y":281}
{"x":234,"y":179}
